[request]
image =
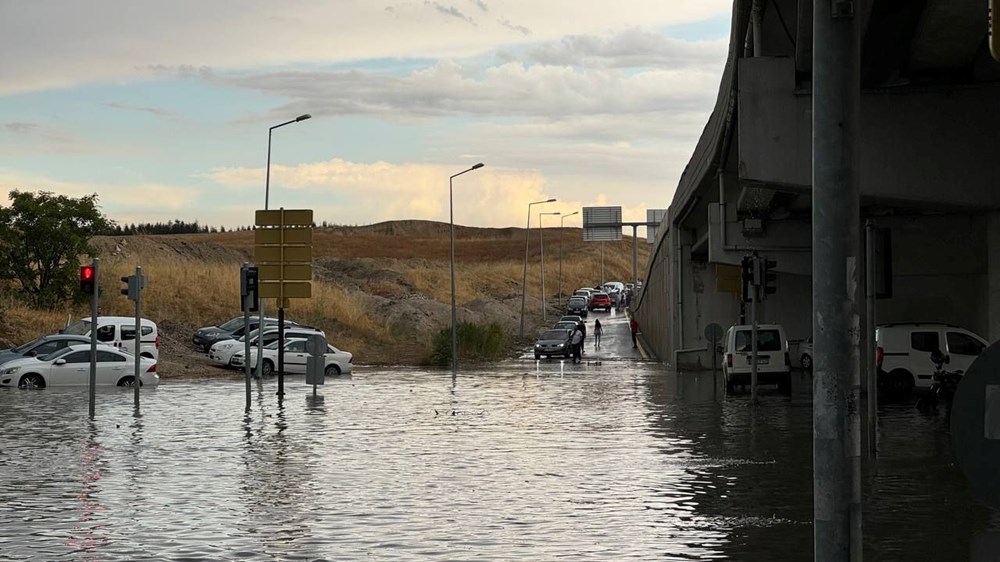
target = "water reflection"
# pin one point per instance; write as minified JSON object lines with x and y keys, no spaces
{"x":603,"y":463}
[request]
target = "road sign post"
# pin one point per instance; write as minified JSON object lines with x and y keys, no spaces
{"x":283,"y":253}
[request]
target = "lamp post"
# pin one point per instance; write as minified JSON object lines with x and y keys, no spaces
{"x":454,"y":313}
{"x":281,"y":310}
{"x":561,"y":221}
{"x":541,"y":239}
{"x":524,"y":280}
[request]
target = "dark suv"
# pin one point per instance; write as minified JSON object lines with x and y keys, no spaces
{"x":577,"y":305}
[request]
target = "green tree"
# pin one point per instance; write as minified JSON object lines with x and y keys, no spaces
{"x":42,"y":237}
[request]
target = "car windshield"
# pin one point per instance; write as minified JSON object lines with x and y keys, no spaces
{"x":554,"y":335}
{"x":57,"y":353}
{"x":767,"y":340}
{"x":232,"y":325}
{"x":272,"y":345}
{"x":80,"y":328}
{"x":577,"y":300}
{"x":25,"y":347}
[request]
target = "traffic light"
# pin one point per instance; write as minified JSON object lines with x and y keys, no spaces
{"x":133,"y":285}
{"x":250,"y":287}
{"x":748,"y":267}
{"x":88,"y":279}
{"x":769,"y":276}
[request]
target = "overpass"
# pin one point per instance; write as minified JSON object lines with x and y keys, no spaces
{"x":929,"y":167}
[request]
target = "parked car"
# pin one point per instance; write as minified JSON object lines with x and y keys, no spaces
{"x":600,"y":300}
{"x":204,"y":338}
{"x":337,"y":362}
{"x":70,"y":366}
{"x":221,"y":353}
{"x":119,"y":332}
{"x":585,"y":292}
{"x":773,"y":364}
{"x":554,"y":342}
{"x":41,"y":346}
{"x":903,"y":353}
{"x":577,"y":305}
{"x":575,"y":318}
{"x":806,"y":354}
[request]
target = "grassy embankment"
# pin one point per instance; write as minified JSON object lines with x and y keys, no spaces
{"x":361,"y":273}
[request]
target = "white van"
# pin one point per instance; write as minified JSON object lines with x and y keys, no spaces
{"x":773,"y":365}
{"x":119,"y":331}
{"x":903,"y":353}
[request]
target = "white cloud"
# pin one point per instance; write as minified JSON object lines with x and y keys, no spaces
{"x":59,"y":43}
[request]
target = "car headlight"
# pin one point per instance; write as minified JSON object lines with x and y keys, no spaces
{"x":225,"y":347}
{"x":10,"y":370}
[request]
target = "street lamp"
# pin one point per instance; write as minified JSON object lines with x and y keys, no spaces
{"x":541,"y":239}
{"x":524,"y":280}
{"x":267,"y":180}
{"x":454,"y":313}
{"x":561,"y":220}
{"x":281,"y":311}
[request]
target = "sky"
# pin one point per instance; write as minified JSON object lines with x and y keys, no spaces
{"x":164,"y":109}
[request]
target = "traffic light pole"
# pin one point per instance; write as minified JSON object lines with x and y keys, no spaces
{"x":246,"y":340}
{"x":754,"y":293}
{"x":138,"y":334}
{"x":281,"y":351}
{"x":93,"y":337}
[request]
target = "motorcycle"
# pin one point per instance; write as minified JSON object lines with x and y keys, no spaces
{"x":945,"y":384}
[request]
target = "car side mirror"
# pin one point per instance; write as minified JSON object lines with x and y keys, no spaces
{"x":59,"y":361}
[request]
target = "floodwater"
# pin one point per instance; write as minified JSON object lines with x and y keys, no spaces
{"x":618,"y":461}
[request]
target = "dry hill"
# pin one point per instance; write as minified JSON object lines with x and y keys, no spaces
{"x":380,"y":291}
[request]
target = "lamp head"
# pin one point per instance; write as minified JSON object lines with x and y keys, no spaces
{"x":553,"y":200}
{"x":303,"y":117}
{"x":477,"y":166}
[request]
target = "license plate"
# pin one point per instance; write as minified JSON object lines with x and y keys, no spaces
{"x":760,"y":360}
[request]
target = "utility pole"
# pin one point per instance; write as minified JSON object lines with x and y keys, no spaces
{"x":836,"y":89}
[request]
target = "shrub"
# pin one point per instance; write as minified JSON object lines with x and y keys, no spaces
{"x":475,"y":343}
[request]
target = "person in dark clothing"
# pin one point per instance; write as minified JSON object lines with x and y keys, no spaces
{"x":633,"y":327}
{"x":598,"y":332}
{"x":577,"y":343}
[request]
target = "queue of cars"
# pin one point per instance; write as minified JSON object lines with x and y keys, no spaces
{"x":612,"y":294}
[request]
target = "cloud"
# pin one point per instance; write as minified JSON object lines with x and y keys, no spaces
{"x":154,"y":111}
{"x":632,"y":48}
{"x":510,"y":89}
{"x":97,"y":41}
{"x":38,"y":138}
{"x":144,"y":199}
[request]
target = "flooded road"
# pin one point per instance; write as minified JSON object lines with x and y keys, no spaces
{"x":621,"y":460}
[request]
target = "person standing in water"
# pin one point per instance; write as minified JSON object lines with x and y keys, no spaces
{"x":598,"y":331}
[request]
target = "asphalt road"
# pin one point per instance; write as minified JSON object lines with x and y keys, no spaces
{"x":616,"y":343}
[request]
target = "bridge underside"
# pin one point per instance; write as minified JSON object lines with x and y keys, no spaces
{"x":928,"y":167}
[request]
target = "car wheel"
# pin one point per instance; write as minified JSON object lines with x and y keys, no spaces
{"x":899,"y":382}
{"x":127,"y":381}
{"x":31,"y":380}
{"x":807,"y":362}
{"x":333,"y":371}
{"x":267,"y":368}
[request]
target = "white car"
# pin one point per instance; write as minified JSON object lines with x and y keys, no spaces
{"x":336,"y":361}
{"x":221,"y":353}
{"x":70,"y":366}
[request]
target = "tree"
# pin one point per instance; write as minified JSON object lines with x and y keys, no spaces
{"x":42,"y":237}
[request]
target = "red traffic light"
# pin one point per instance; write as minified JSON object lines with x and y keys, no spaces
{"x":87,"y":278}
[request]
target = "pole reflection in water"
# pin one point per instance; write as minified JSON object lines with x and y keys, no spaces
{"x":622,"y":460}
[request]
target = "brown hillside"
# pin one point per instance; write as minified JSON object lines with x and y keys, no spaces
{"x":381,"y":291}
